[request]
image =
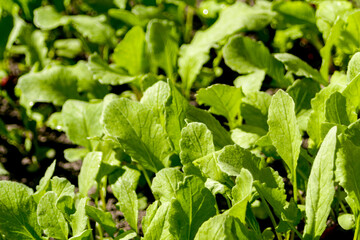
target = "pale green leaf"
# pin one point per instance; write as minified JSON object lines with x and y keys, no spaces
{"x":327,"y":12}
{"x":317,"y":115}
{"x":79,"y":219}
{"x":136,"y":128}
{"x":62,"y":187}
{"x":106,"y":74}
{"x":50,"y":218}
{"x":85,"y":235}
{"x":162,"y":39}
{"x":223,"y":100}
{"x":353,"y":67}
{"x":155,"y":98}
{"x":346,"y":221}
{"x":175,"y":114}
{"x":159,"y":226}
{"x":320,"y":190}
{"x":47,"y":18}
{"x":250,"y":82}
{"x":165,"y":184}
{"x":220,"y":135}
{"x":44,"y":182}
{"x":103,"y":218}
{"x":194,"y":55}
{"x":54,"y":85}
{"x":82,"y":121}
{"x":18,"y":212}
{"x":196,"y":142}
{"x":335,"y":109}
{"x":244,"y":55}
{"x":94,"y":29}
{"x":128,"y":203}
{"x":223,"y":227}
{"x":88,"y":172}
{"x":299,"y":67}
{"x":347,"y":171}
{"x":283,"y":129}
{"x":130,"y":52}
{"x":241,"y":194}
{"x":194,"y":204}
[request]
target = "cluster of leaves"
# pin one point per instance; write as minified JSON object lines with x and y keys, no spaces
{"x":75,"y":57}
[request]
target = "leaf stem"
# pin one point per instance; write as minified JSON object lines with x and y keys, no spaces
{"x":295,"y":190}
{"x":272,"y":218}
{"x":188,"y":24}
{"x":145,"y":175}
{"x":357,"y":228}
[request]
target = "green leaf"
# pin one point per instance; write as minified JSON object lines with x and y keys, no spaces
{"x":196,"y":142}
{"x":353,"y":67}
{"x":317,"y":116}
{"x":325,"y":52}
{"x":302,"y":91}
{"x":50,"y":218}
{"x":254,"y":109}
{"x":18,"y":212}
{"x":194,"y":55}
{"x":44,"y":182}
{"x":299,"y":67}
{"x":241,"y":194}
{"x":128,"y":204}
{"x":137,"y":130}
{"x":85,"y":235}
{"x":47,"y":18}
{"x":165,"y":184}
{"x":150,"y":213}
{"x":162,"y":39}
{"x":79,"y":219}
{"x":220,"y":134}
{"x":194,"y":204}
{"x":82,"y":121}
{"x":223,"y":100}
{"x":347,"y":169}
{"x":54,"y":85}
{"x":244,"y":55}
{"x":335,"y":109}
{"x":176,"y":109}
{"x":159,"y":226}
{"x":327,"y":13}
{"x":94,"y":29}
{"x":155,"y":98}
{"x":350,"y":34}
{"x":283,"y":129}
{"x":106,"y":74}
{"x":35,"y":46}
{"x":223,"y":226}
{"x":251,"y":82}
{"x":246,"y":136}
{"x":346,"y":221}
{"x":294,"y":13}
{"x":75,"y":154}
{"x":62,"y":187}
{"x":103,"y":218}
{"x":124,"y":187}
{"x":130,"y":52}
{"x":69,"y":48}
{"x":88,"y":172}
{"x":233,"y":158}
{"x":320,"y":190}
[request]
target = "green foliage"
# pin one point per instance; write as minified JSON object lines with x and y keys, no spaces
{"x":219,"y":119}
